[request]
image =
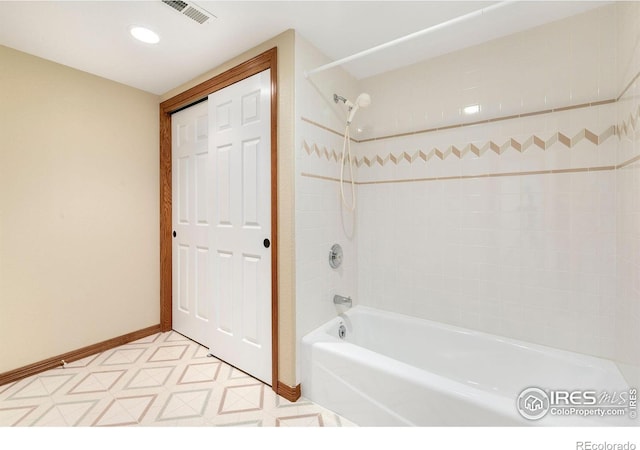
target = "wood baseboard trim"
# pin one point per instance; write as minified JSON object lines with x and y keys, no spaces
{"x":74,"y":355}
{"x":290,"y":393}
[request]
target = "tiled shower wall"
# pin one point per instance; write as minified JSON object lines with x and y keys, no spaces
{"x":516,"y":240}
{"x":521,"y":220}
{"x":320,"y":220}
{"x":627,"y":308}
{"x":508,"y":225}
{"x":505,"y":225}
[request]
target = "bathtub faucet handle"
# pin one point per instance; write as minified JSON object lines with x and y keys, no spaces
{"x":340,"y":300}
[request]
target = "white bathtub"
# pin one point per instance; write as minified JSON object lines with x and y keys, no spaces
{"x":394,"y":370}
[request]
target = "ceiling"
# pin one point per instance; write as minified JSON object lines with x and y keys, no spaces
{"x":93,"y":35}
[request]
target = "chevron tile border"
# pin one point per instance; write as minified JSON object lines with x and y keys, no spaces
{"x":461,"y":152}
{"x":627,"y":128}
{"x":631,"y":127}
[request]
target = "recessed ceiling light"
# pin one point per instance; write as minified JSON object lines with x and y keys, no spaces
{"x":144,"y":35}
{"x":471,"y":109}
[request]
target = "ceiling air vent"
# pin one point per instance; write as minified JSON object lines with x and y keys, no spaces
{"x":190,"y":10}
{"x":175,"y":5}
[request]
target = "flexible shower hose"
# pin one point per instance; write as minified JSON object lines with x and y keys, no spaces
{"x":346,"y":147}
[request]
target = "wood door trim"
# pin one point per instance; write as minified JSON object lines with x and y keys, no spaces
{"x":290,"y":393}
{"x":266,"y":60}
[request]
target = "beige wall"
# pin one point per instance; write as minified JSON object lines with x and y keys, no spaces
{"x":78,"y":209}
{"x":286,"y":164}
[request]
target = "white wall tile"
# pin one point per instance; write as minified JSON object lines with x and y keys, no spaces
{"x":532,"y":256}
{"x":624,"y":306}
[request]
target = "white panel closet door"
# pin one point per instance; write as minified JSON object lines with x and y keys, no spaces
{"x":192,"y":202}
{"x":240,"y":145}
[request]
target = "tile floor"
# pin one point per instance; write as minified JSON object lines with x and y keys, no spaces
{"x":162,"y":380}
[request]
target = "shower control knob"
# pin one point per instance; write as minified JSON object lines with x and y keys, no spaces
{"x":335,"y":256}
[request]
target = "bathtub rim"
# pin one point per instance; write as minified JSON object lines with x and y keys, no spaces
{"x":322,"y":339}
{"x":570,"y":355}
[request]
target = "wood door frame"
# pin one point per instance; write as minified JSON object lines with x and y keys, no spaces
{"x":266,"y":60}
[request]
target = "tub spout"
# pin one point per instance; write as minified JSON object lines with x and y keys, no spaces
{"x":340,"y":300}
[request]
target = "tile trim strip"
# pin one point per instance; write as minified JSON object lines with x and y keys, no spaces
{"x":467,"y":177}
{"x":322,"y":127}
{"x":488,"y":175}
{"x":322,"y":177}
{"x":316,"y":124}
{"x":624,"y":91}
{"x":628,"y":162}
{"x":490,"y":120}
{"x":463,"y":124}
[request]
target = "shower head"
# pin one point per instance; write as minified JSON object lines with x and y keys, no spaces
{"x":362,"y":101}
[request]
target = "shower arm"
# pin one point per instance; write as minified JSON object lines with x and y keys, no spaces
{"x":408,"y":37}
{"x":338,"y":98}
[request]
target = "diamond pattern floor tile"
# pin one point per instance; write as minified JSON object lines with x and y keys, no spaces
{"x":6,"y":387}
{"x":65,"y":414}
{"x":125,"y":411}
{"x":13,"y":416}
{"x":97,"y":382}
{"x":168,"y":353}
{"x":172,"y":336}
{"x":84,"y":362}
{"x":150,"y":377}
{"x":52,"y":418}
{"x":231,"y":402}
{"x":248,"y":423}
{"x":184,"y":405}
{"x":303,"y":420}
{"x":163,"y":380}
{"x":42,"y":386}
{"x":200,"y":373}
{"x":123,"y":356}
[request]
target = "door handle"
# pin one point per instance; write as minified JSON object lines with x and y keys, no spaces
{"x":174,"y":233}
{"x":266,"y":243}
